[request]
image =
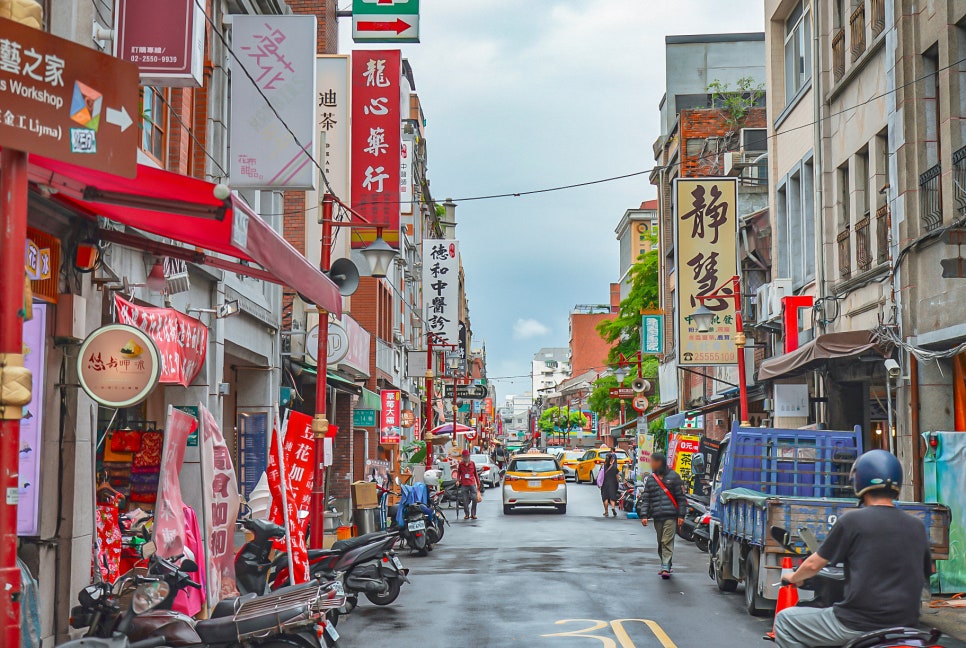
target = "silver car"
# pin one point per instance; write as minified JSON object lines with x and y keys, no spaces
{"x":489,"y":471}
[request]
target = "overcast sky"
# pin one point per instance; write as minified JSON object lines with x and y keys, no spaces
{"x":527,"y":94}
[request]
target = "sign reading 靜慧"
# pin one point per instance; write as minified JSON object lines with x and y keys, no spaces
{"x":278,"y":53}
{"x":706,"y":223}
{"x":441,"y":268}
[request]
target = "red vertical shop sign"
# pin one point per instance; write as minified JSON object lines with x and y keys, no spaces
{"x":376,"y":142}
{"x":390,"y":430}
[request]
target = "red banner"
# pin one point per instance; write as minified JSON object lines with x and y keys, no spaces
{"x":390,"y":428}
{"x":298,"y":444}
{"x":221,"y":500}
{"x":169,"y":523}
{"x":182,"y":341}
{"x":376,"y":142}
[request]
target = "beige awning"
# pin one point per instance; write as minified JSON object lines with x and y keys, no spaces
{"x":831,"y":346}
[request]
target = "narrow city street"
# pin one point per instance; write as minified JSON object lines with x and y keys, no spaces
{"x":542,"y":579}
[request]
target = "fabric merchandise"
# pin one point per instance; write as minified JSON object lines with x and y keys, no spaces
{"x":125,"y":441}
{"x":107,"y":546}
{"x":113,"y":456}
{"x":190,"y":601}
{"x":149,"y":455}
{"x":144,"y":485}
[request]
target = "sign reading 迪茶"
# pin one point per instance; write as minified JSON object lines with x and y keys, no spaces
{"x":385,"y":21}
{"x":332,"y":120}
{"x":166,"y":40}
{"x":279,"y":54}
{"x":66,"y":101}
{"x":389,"y":430}
{"x":441,"y":268}
{"x":375,"y":147}
{"x":652,"y":334}
{"x":182,"y":341}
{"x":118,"y":365}
{"x":706,"y":223}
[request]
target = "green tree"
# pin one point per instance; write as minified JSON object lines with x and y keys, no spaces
{"x":555,"y":419}
{"x":736,"y":102}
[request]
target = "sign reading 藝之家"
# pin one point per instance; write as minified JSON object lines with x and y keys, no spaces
{"x":706,"y":222}
{"x":441,"y":269}
{"x":66,"y":101}
{"x":278,"y":53}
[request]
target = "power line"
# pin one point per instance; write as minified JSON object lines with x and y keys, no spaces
{"x":191,"y":133}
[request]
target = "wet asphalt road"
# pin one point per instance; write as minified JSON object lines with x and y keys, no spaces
{"x":537,"y":579}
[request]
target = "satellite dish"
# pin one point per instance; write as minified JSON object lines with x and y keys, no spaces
{"x":345,"y":275}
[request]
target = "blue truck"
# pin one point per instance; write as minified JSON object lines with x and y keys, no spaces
{"x":794,"y":479}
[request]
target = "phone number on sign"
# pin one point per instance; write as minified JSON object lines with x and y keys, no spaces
{"x":710,"y":356}
{"x":151,"y":58}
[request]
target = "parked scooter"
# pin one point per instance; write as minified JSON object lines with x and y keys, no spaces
{"x":146,"y":597}
{"x":828,"y":587}
{"x":411,"y":517}
{"x":702,"y":533}
{"x":692,"y":519}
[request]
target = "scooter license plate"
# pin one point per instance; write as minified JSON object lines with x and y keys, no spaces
{"x":417,"y":526}
{"x":332,"y":632}
{"x":534,"y":483}
{"x":396,"y":562}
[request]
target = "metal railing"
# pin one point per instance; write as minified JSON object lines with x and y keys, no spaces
{"x":877,"y":16}
{"x":930,"y":199}
{"x":838,"y":54}
{"x":882,"y":234}
{"x":845,"y":253}
{"x":863,"y":244}
{"x":857,"y":30}
{"x":959,"y":179}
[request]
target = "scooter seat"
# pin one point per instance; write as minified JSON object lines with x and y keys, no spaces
{"x":228,"y":607}
{"x":227,"y":630}
{"x":352,"y":543}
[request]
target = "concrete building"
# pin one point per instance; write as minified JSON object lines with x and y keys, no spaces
{"x":551,"y":366}
{"x":588,"y":350}
{"x":636,"y":234}
{"x":516,"y":414}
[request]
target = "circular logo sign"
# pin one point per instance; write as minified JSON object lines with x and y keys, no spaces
{"x":338,"y":347}
{"x":407,"y":418}
{"x":471,"y":436}
{"x":118,"y":365}
{"x":640,"y":403}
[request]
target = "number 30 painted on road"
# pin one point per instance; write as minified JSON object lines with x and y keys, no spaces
{"x":617,"y":627}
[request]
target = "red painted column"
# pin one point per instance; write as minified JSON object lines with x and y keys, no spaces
{"x":790,"y":307}
{"x":320,"y":424}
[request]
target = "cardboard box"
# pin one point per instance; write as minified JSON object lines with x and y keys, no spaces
{"x":364,"y":495}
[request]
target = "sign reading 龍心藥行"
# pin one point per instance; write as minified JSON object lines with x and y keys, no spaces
{"x":65,"y":101}
{"x":166,"y":40}
{"x":118,"y":365}
{"x":376,"y":142}
{"x":441,"y":269}
{"x":385,"y":21}
{"x":274,"y":57}
{"x":706,"y":225}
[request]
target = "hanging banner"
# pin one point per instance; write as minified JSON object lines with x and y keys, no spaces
{"x":298,"y":442}
{"x":182,"y":341}
{"x":278,"y":53}
{"x":441,"y":270}
{"x":645,"y":448}
{"x":390,"y":429}
{"x":220,"y":499}
{"x":169,"y":522}
{"x":680,"y":450}
{"x":406,"y":178}
{"x":706,"y":226}
{"x":376,"y":145}
{"x":332,"y":122}
{"x":32,"y":424}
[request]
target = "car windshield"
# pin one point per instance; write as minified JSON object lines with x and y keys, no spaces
{"x":573,"y":455}
{"x":620,"y":454}
{"x":480,"y":459}
{"x":533,"y":465}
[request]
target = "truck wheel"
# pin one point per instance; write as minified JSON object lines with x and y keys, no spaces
{"x":755,"y":603}
{"x":717,"y":560}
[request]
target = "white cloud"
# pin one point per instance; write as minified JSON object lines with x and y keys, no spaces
{"x":526,"y":328}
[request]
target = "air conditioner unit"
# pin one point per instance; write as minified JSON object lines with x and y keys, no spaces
{"x":780,"y":288}
{"x":762,"y":307}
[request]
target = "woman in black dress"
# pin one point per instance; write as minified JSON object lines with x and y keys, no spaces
{"x":608,"y":484}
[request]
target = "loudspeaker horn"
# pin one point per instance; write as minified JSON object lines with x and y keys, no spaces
{"x":640,"y":385}
{"x":345,"y":275}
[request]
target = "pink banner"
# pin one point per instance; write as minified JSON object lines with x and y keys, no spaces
{"x":221,"y":500}
{"x":182,"y":341}
{"x":298,"y":444}
{"x":169,"y":523}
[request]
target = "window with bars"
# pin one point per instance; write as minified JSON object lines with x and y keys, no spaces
{"x":863,"y":244}
{"x":882,"y":234}
{"x":959,"y":179}
{"x":877,"y":16}
{"x":857,"y":30}
{"x":844,"y":241}
{"x":838,"y":54}
{"x":930,"y":199}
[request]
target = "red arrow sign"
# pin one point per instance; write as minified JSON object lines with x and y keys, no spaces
{"x":398,"y":26}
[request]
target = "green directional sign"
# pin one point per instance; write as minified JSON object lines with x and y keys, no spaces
{"x":385,"y":21}
{"x":364,"y":418}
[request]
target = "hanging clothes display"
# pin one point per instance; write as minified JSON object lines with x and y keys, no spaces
{"x":107,"y":546}
{"x":190,"y":601}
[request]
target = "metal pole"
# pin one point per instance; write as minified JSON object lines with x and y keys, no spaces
{"x":320,"y":424}
{"x":429,"y":399}
{"x":892,"y":443}
{"x":13,"y":235}
{"x":740,"y":343}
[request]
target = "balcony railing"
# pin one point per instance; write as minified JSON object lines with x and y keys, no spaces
{"x":838,"y":54}
{"x":959,"y":179}
{"x":863,"y":244}
{"x":857,"y":30}
{"x":845,"y":253}
{"x":930,"y":199}
{"x":882,"y":234}
{"x":877,"y":19}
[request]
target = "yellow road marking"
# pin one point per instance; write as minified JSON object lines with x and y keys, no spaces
{"x":598,"y":625}
{"x":622,"y":636}
{"x":617,"y":627}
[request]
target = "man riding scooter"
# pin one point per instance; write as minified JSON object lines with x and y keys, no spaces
{"x":887,"y":562}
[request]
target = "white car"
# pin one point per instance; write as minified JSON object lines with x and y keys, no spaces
{"x":489,"y":471}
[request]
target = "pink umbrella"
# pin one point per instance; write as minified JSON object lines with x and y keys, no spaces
{"x":447,"y":428}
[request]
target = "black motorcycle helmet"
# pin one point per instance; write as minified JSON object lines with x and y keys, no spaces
{"x":877,"y":470}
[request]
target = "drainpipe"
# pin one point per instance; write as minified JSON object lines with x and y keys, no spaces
{"x":914,"y":435}
{"x":818,"y":180}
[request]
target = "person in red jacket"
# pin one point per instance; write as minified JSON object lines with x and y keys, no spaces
{"x":469,"y":485}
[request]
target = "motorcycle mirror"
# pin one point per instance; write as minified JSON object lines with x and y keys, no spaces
{"x":189,"y":566}
{"x":90,"y":595}
{"x":149,"y":596}
{"x":396,"y":479}
{"x":698,"y":465}
{"x":148,"y":549}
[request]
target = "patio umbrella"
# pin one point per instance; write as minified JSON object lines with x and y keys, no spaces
{"x":447,"y":428}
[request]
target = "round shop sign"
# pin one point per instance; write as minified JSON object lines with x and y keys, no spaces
{"x":118,"y":365}
{"x":407,"y":418}
{"x":338,"y":343}
{"x":640,"y":403}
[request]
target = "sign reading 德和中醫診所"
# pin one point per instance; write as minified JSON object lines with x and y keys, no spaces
{"x":274,"y":60}
{"x":706,"y":226}
{"x":441,"y":268}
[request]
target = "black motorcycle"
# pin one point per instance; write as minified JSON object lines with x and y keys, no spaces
{"x":145,"y":598}
{"x":697,"y":508}
{"x":417,"y":518}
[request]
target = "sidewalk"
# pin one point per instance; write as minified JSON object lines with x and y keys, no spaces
{"x":951,"y":621}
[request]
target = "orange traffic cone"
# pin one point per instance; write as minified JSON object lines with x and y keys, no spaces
{"x":787,"y":595}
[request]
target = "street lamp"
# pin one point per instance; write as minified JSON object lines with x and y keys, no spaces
{"x":620,"y":373}
{"x":379,"y":255}
{"x":704,"y":319}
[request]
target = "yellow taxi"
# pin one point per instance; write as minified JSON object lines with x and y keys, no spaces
{"x":568,"y":461}
{"x":534,"y":479}
{"x":589,"y":464}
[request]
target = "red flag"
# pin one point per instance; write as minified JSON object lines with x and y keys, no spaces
{"x":298,"y":445}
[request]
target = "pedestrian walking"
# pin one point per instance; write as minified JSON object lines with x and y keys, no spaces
{"x":469,"y":485}
{"x":607,"y":481}
{"x":663,"y":501}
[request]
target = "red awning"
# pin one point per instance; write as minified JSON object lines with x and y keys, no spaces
{"x":185,"y":209}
